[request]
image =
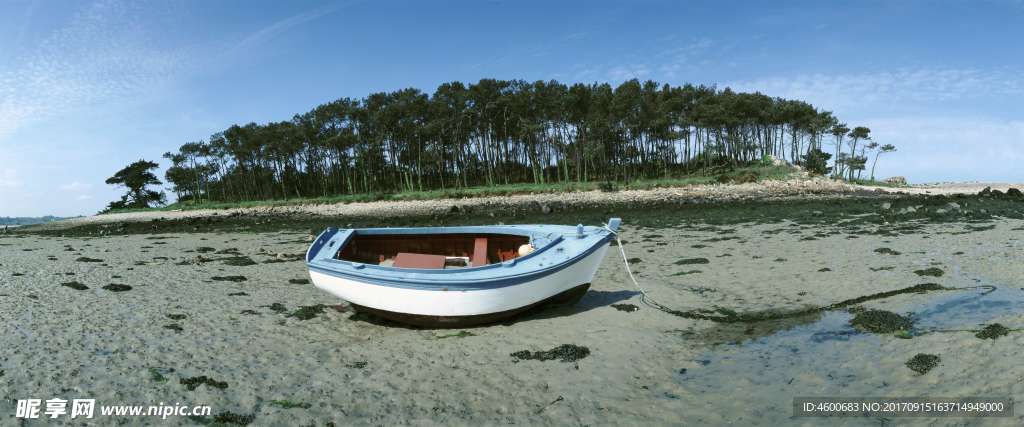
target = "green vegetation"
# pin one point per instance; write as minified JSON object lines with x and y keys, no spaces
{"x":504,"y":132}
{"x":22,"y":220}
{"x":759,"y":171}
{"x":922,"y":363}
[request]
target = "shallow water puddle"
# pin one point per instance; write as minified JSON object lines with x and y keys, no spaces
{"x":767,"y":365}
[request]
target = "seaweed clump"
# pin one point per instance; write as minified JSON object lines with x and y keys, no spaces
{"x":922,"y":363}
{"x":933,"y":272}
{"x":992,"y":332}
{"x":235,"y":279}
{"x":880,"y":321}
{"x":307,"y":312}
{"x":87,"y":259}
{"x":886,"y":251}
{"x":117,"y":287}
{"x":225,"y":418}
{"x":691,"y":261}
{"x":625,"y":307}
{"x":298,"y":281}
{"x":75,"y":285}
{"x":194,"y":382}
{"x":564,"y":352}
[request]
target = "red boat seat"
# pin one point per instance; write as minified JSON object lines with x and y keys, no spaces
{"x":411,"y":260}
{"x":479,"y":252}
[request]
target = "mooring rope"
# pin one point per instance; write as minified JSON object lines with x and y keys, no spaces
{"x":644,"y":298}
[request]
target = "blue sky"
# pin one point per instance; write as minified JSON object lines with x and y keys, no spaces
{"x":87,"y":87}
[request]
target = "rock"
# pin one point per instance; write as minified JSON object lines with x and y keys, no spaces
{"x":986,"y":192}
{"x":896,"y":180}
{"x":907,"y":210}
{"x":940,"y":211}
{"x":953,"y":206}
{"x":545,"y":209}
{"x":886,"y":206}
{"x":1013,"y":192}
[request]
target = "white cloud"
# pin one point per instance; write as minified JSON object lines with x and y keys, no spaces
{"x":9,"y":179}
{"x":102,"y":54}
{"x":76,"y":187}
{"x":264,"y":34}
{"x":83,"y":197}
{"x":865,"y":92}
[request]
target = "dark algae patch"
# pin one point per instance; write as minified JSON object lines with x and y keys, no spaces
{"x":625,"y":307}
{"x":117,"y":287}
{"x":932,"y":271}
{"x":87,"y":259}
{"x":460,"y":334}
{"x":194,"y":382}
{"x":277,"y":307}
{"x":992,"y":332}
{"x":288,"y":404}
{"x":176,"y":316}
{"x":356,"y":365}
{"x":225,"y":418}
{"x":238,"y":261}
{"x":880,"y":321}
{"x":298,"y":281}
{"x":75,"y":285}
{"x":174,"y":327}
{"x":235,"y":279}
{"x":691,"y":261}
{"x":564,"y":353}
{"x":886,"y":251}
{"x":307,"y":312}
{"x":922,"y":363}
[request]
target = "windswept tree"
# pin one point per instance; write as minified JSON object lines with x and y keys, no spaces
{"x":135,"y":178}
{"x":857,"y":162}
{"x":887,"y":148}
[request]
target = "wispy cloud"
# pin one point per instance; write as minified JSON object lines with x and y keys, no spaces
{"x":861,"y":91}
{"x":76,"y":187}
{"x":674,"y":61}
{"x":101,"y":54}
{"x":275,"y":29}
{"x":9,"y":178}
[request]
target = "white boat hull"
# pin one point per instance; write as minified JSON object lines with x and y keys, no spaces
{"x":460,"y":303}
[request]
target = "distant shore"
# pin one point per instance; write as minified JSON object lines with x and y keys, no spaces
{"x":768,"y":190}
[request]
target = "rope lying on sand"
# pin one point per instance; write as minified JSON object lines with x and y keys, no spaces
{"x":763,"y":316}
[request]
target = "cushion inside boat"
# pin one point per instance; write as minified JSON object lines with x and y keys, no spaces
{"x":411,"y":260}
{"x":479,"y":252}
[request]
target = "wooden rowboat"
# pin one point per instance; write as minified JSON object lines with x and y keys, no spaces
{"x":457,"y":276}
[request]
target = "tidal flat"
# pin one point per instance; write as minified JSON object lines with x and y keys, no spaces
{"x":767,"y":300}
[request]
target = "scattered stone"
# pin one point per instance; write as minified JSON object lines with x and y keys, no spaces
{"x":238,"y":294}
{"x":922,"y":363}
{"x":177,"y":316}
{"x":564,"y":352}
{"x":887,"y":251}
{"x":356,"y":365}
{"x":635,"y":260}
{"x":880,"y":322}
{"x":205,"y":249}
{"x":75,"y":285}
{"x":932,"y":271}
{"x":993,"y":331}
{"x":117,"y":287}
{"x":886,"y":206}
{"x":822,"y":270}
{"x":629,"y":308}
{"x":174,"y":327}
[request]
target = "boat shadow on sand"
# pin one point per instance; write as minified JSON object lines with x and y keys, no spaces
{"x":591,"y":300}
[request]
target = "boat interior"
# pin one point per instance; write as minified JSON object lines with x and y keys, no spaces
{"x":432,"y":251}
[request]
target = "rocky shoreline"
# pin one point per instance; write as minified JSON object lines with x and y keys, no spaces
{"x":793,"y":189}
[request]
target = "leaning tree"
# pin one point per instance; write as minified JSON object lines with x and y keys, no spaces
{"x":136,"y":177}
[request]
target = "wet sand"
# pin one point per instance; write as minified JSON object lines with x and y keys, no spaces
{"x":233,"y":307}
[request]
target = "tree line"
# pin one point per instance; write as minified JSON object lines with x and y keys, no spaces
{"x":498,"y":132}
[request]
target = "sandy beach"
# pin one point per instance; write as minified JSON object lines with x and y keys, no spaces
{"x":228,"y":319}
